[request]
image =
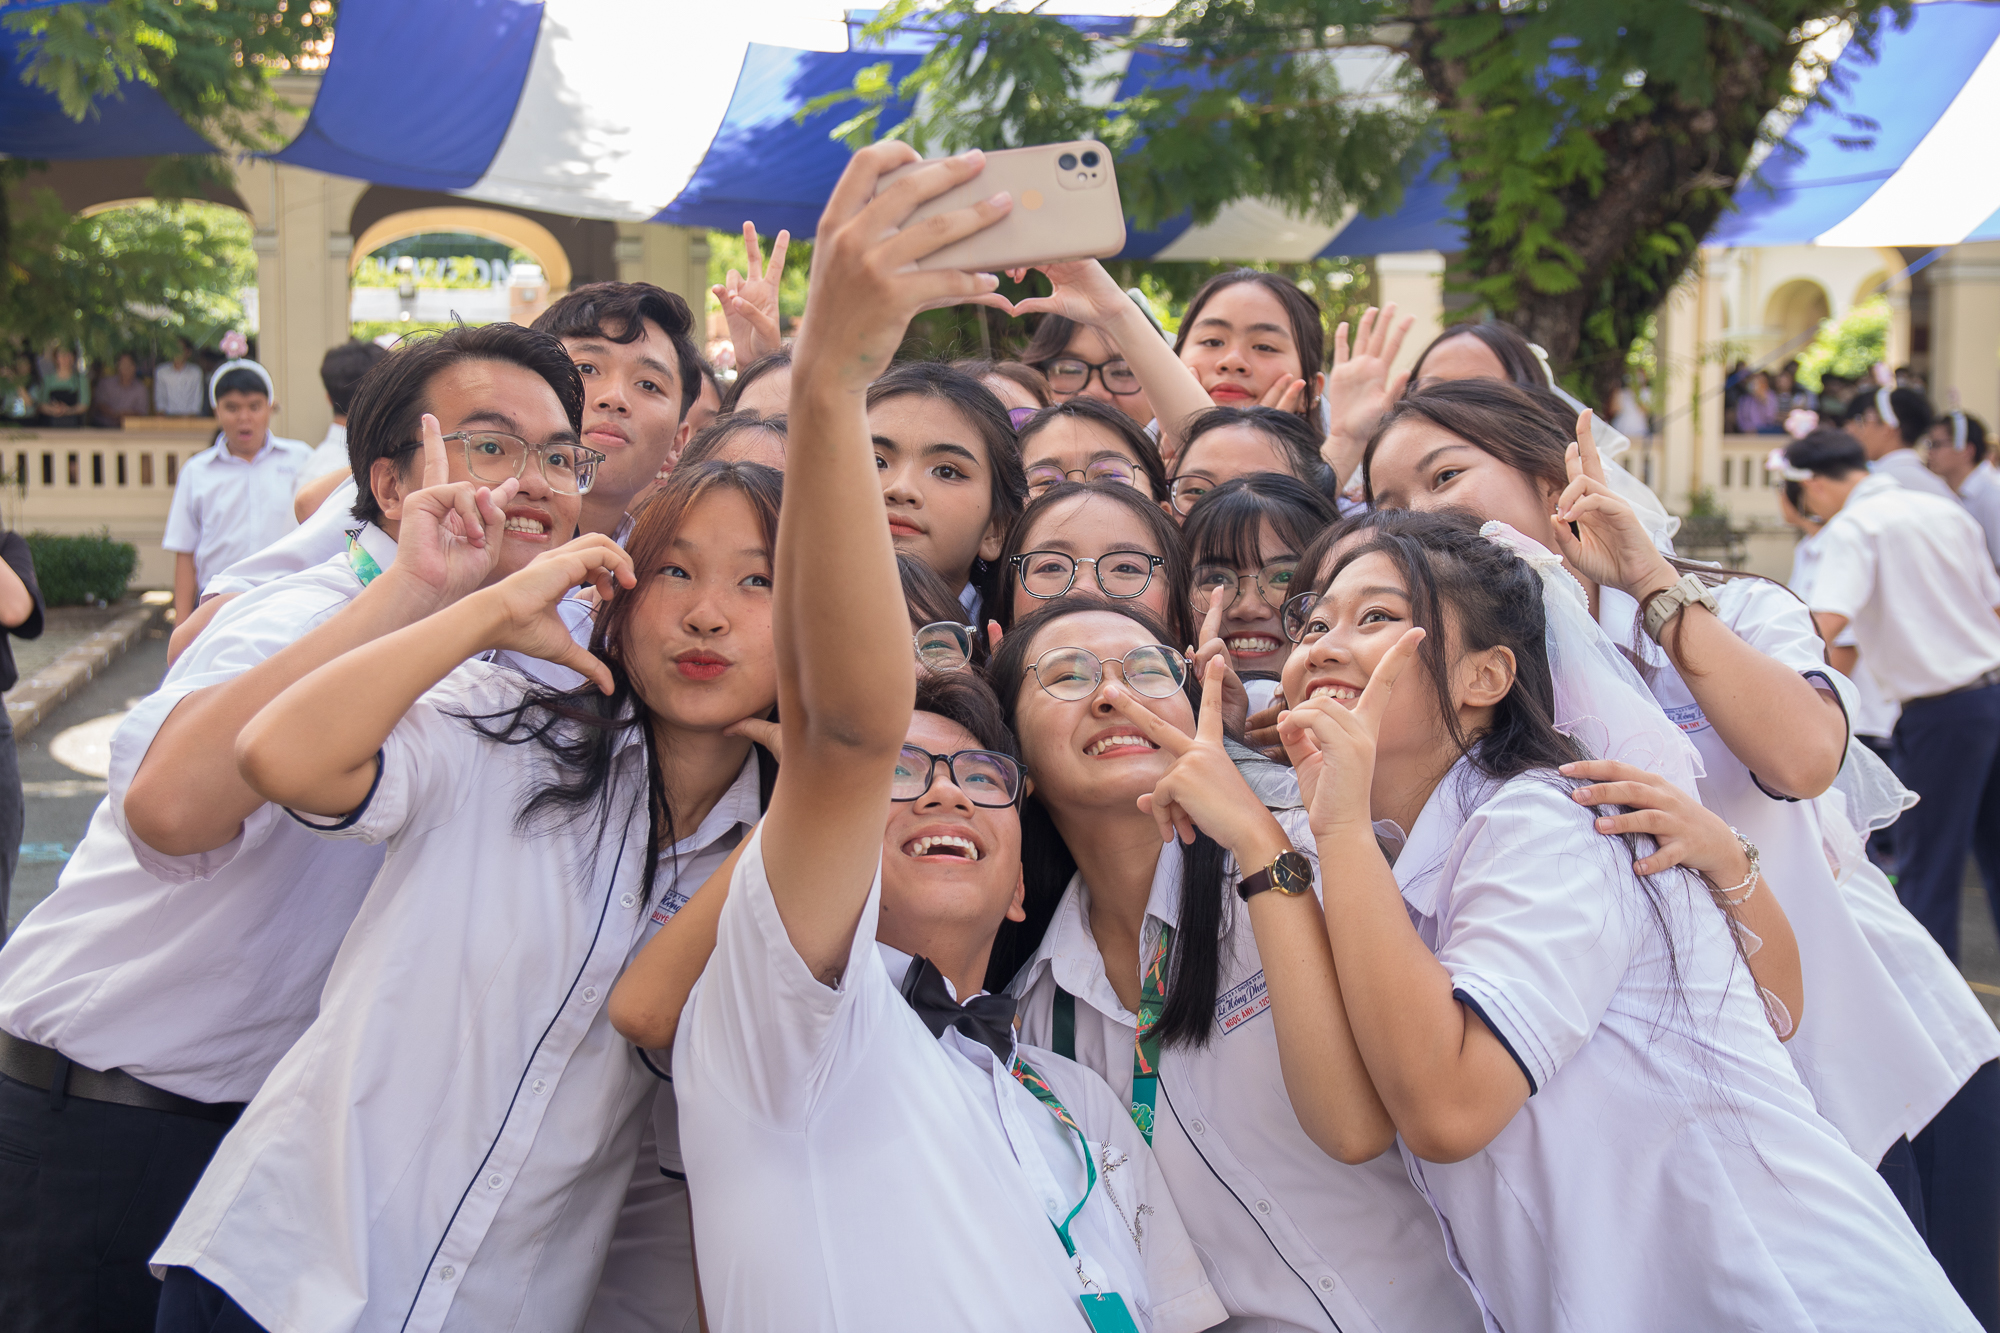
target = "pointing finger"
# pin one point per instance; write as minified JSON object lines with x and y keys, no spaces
{"x":437,"y":464}
{"x":1208,"y":727}
{"x":1586,"y":444}
{"x":1374,"y":700}
{"x":1150,"y":724}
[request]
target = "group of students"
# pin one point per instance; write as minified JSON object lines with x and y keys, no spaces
{"x":1309,"y":858}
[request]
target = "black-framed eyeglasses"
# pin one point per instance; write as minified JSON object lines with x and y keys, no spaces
{"x":986,"y":777}
{"x":1296,"y":616}
{"x":1044,"y":476}
{"x":494,"y":456}
{"x":1213,"y":583}
{"x":1069,"y":674}
{"x":1047,"y":574}
{"x":1187,"y":489}
{"x":1069,"y":374}
{"x":944,"y":645}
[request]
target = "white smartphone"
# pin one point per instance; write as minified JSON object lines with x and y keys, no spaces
{"x":1065,"y":207}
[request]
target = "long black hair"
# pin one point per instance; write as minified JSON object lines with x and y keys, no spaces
{"x":581,"y":731}
{"x":1301,"y":312}
{"x":1194,"y":968}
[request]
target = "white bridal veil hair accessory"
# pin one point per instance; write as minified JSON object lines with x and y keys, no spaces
{"x":1600,"y":701}
{"x":1612,"y":445}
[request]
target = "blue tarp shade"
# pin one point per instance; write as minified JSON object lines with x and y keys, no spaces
{"x":1815,"y":180}
{"x":763,"y":164}
{"x":134,"y":123}
{"x":430,"y":106}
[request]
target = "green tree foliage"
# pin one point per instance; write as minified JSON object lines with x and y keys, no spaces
{"x":1848,"y":346}
{"x":1592,"y":143}
{"x":127,"y":277}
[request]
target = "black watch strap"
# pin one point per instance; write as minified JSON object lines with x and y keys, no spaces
{"x":1291,"y":875}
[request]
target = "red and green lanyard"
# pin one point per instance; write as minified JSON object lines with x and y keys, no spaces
{"x":1145,"y":1040}
{"x":1105,"y":1310}
{"x":358,"y":560}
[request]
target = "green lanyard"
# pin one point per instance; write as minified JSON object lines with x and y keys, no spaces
{"x":358,"y":560}
{"x":1145,"y":1041}
{"x":1039,"y":1086}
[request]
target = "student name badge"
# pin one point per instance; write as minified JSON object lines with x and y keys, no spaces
{"x":1107,"y":1313}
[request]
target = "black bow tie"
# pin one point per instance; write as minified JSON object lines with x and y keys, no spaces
{"x":987,"y":1019}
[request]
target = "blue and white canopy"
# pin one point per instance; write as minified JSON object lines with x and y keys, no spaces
{"x":667,"y":112}
{"x":1924,"y":177}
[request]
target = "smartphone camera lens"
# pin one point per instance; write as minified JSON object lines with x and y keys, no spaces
{"x":1068,"y":161}
{"x":1090,"y":159}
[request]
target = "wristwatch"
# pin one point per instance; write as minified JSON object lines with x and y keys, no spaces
{"x":1664,"y":605}
{"x":1291,"y":874}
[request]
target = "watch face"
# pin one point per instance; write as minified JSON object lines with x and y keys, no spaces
{"x":1292,"y":873}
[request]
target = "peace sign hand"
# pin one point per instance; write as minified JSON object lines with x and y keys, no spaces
{"x":1211,"y":648}
{"x":749,"y":301}
{"x":1202,"y":790}
{"x":1610,"y":545}
{"x":1333,"y":746}
{"x":449,"y":533}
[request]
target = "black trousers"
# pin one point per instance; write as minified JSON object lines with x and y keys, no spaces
{"x":88,"y":1191}
{"x":1958,"y":1166}
{"x":192,"y":1304}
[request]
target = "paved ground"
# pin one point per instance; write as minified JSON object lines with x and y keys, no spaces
{"x":61,"y":799}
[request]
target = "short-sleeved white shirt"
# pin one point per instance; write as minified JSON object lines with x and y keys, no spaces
{"x":1912,"y":573}
{"x":225,"y":508}
{"x":194,"y":973}
{"x":850,"y":1171}
{"x":329,"y":455}
{"x":1907,"y":467}
{"x":1291,"y":1238}
{"x":321,"y":537}
{"x":1980,"y":494}
{"x":448,"y":1145}
{"x":1878,"y":1055}
{"x":1668,"y":1171}
{"x":177,"y":391}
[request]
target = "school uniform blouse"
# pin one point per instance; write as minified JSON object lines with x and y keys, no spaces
{"x":850,"y":1171}
{"x":448,"y":1145}
{"x":226,"y":508}
{"x":1879,"y":1054}
{"x":1291,"y":1238}
{"x":1668,"y":1171}
{"x":194,"y":973}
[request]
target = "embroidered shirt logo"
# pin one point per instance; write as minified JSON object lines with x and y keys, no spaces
{"x":1688,"y":718}
{"x":1241,"y":1003}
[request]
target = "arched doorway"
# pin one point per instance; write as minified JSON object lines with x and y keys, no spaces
{"x":424,"y":267}
{"x":1794,"y":312}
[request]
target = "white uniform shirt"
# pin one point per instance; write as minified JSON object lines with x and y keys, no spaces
{"x":1981,"y":497}
{"x":1291,"y":1238}
{"x":1912,"y":573}
{"x":850,"y":1171}
{"x":1668,"y":1171}
{"x":177,"y":391}
{"x":321,"y":537}
{"x":1907,"y":466}
{"x":194,"y":973}
{"x":449,"y":1144}
{"x":329,"y":455}
{"x":1878,"y":1066}
{"x":225,"y":508}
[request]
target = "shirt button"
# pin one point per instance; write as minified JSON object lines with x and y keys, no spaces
{"x":627,"y":900}
{"x":1263,"y":1205}
{"x":1326,"y":1284}
{"x":1199,"y":1128}
{"x":447,"y":1273}
{"x":590,"y":995}
{"x":541,"y":1086}
{"x":493,"y":1182}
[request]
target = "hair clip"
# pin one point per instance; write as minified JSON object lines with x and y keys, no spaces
{"x":1781,"y":466}
{"x":1799,"y":423}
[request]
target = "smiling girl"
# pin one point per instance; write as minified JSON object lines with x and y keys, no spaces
{"x":1245,"y":539}
{"x":1577,"y":1066}
{"x":1105,"y":541}
{"x":1254,"y":339}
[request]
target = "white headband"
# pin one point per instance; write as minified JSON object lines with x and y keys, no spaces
{"x":1883,"y":409}
{"x":1777,"y":463}
{"x":1542,"y":356}
{"x":270,"y":390}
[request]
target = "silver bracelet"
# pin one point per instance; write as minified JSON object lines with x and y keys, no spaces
{"x":1748,"y":887}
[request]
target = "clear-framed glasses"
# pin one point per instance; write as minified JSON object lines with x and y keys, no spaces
{"x":944,"y":645}
{"x":1069,"y":374}
{"x":1048,"y":574}
{"x":1069,"y":674}
{"x":1120,"y":470}
{"x":494,"y":456}
{"x":1019,"y":415}
{"x":1185,"y":490}
{"x":987,"y":778}
{"x":1298,"y":620}
{"x":1221,"y":583}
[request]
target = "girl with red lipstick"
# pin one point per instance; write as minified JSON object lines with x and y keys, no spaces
{"x":1151,"y":952}
{"x":1255,"y":340}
